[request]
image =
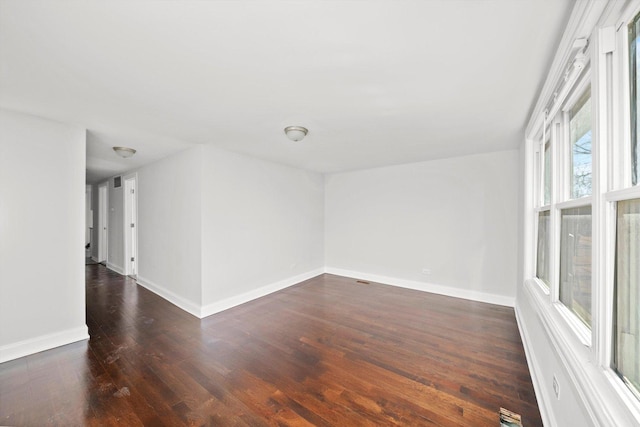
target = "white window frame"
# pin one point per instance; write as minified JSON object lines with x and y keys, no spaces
{"x":539,"y":174}
{"x":587,"y":354}
{"x":564,"y":201}
{"x":560,"y":193}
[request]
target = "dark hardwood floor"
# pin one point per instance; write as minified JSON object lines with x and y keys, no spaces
{"x":329,"y":351}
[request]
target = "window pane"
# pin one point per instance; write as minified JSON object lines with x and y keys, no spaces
{"x":627,"y":286}
{"x":634,"y":77}
{"x":580,"y":134}
{"x":575,"y":261}
{"x":544,"y":247}
{"x":547,"y":173}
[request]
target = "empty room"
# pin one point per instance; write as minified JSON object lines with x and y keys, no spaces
{"x":320,"y":213}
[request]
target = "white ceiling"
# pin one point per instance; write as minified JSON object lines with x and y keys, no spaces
{"x":376,"y":82}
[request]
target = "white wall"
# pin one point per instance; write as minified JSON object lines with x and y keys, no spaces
{"x":262,"y":223}
{"x":169,"y":228}
{"x":456,"y":217}
{"x":42,"y":220}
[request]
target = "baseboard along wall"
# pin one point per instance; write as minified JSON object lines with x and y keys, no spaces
{"x":180,"y":302}
{"x":42,"y":343}
{"x":427,"y":287}
{"x":262,"y":291}
{"x":201,"y":311}
{"x":115,"y":268}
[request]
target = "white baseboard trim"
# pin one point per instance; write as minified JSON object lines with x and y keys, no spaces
{"x":236,"y":300}
{"x":546,"y":412}
{"x":427,"y":287}
{"x":42,"y":343}
{"x":175,"y":299}
{"x":94,"y":259}
{"x":115,"y":268}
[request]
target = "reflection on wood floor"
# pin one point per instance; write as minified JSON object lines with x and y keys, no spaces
{"x":329,"y":351}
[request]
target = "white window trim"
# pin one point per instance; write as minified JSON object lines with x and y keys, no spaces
{"x":624,"y":194}
{"x":620,"y":149}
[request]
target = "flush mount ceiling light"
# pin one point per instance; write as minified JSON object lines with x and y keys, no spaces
{"x":295,"y":133}
{"x":124,"y":152}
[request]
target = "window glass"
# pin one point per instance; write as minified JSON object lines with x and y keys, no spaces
{"x":627,"y":288}
{"x":634,"y":76}
{"x":544,"y":247}
{"x":547,"y":173}
{"x":575,"y":261}
{"x":580,"y":136}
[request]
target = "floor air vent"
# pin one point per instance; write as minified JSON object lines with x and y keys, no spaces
{"x":509,"y":419}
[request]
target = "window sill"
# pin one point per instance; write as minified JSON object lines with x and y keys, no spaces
{"x":579,"y":329}
{"x":544,"y":288}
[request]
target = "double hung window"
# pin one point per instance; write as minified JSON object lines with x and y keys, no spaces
{"x":586,"y":207}
{"x":576,"y":221}
{"x":566,"y":200}
{"x":626,"y":281}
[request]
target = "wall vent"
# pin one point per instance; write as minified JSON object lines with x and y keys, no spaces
{"x":117,"y":182}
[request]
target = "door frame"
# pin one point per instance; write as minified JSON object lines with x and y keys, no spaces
{"x":130,"y":217}
{"x":103,"y":222}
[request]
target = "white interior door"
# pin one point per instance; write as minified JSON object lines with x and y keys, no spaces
{"x":88,"y":221}
{"x":131,"y":225}
{"x":102,"y":223}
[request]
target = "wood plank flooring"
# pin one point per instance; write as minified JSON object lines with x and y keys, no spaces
{"x":327,"y":352}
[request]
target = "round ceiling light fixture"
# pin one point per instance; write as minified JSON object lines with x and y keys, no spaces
{"x":124,"y":152}
{"x":295,"y":133}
